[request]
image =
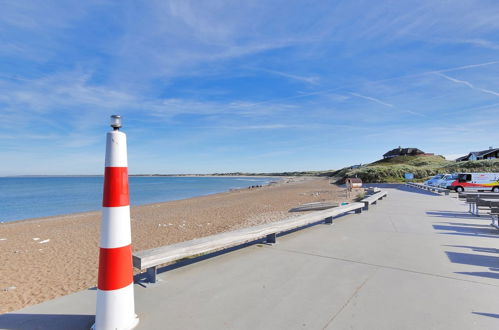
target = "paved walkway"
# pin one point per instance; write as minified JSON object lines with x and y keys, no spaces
{"x":413,"y":261}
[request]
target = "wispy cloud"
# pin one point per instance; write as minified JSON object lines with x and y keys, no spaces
{"x":314,"y":80}
{"x":470,"y":85}
{"x":482,"y":43}
{"x":267,"y":127}
{"x":373,"y":99}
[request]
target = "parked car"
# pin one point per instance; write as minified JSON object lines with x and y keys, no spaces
{"x":476,"y":181}
{"x":446,"y":181}
{"x":433,"y":180}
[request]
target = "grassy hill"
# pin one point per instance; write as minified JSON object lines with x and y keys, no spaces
{"x":412,"y":161}
{"x":393,"y":169}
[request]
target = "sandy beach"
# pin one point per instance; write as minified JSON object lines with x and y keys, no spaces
{"x":49,"y":257}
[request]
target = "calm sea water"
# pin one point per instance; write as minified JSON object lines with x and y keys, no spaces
{"x":31,"y":197}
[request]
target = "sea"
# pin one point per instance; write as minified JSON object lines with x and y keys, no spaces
{"x":32,"y":197}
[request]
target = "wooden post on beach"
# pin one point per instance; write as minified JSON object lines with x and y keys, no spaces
{"x":115,"y":298}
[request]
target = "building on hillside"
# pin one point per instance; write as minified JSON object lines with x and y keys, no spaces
{"x":491,"y":153}
{"x":405,"y":152}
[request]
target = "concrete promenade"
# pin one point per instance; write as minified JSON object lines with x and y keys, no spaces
{"x":415,"y":260}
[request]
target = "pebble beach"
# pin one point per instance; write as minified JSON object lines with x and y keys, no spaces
{"x":45,"y":258}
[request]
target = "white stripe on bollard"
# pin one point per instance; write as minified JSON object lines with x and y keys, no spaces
{"x":115,"y":305}
{"x":116,"y":155}
{"x":115,"y":227}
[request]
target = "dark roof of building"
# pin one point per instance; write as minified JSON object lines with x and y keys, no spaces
{"x":354,"y":180}
{"x":484,"y":152}
{"x":477,"y":154}
{"x":403,"y":151}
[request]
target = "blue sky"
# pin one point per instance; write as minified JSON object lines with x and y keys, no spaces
{"x":222,"y":86}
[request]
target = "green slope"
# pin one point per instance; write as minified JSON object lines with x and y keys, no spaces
{"x":393,"y":169}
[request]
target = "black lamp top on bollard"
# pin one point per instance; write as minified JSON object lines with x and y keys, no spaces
{"x":116,"y":122}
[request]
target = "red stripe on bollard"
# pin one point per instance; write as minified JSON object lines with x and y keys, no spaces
{"x":115,"y":187}
{"x":115,"y":268}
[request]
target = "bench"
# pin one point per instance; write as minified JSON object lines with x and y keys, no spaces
{"x":373,"y":199}
{"x":474,"y":202}
{"x":372,"y":190}
{"x":152,"y":258}
{"x":491,"y":204}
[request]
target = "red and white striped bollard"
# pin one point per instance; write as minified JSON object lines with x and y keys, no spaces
{"x":115,"y":297}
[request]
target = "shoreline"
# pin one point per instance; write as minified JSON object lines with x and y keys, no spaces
{"x":58,"y":255}
{"x":93,"y":212}
{"x":276,"y":180}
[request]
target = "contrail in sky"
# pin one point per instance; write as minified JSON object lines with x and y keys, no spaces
{"x":467,"y":83}
{"x":372,"y":99}
{"x":464,"y":67}
{"x":471,"y":66}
